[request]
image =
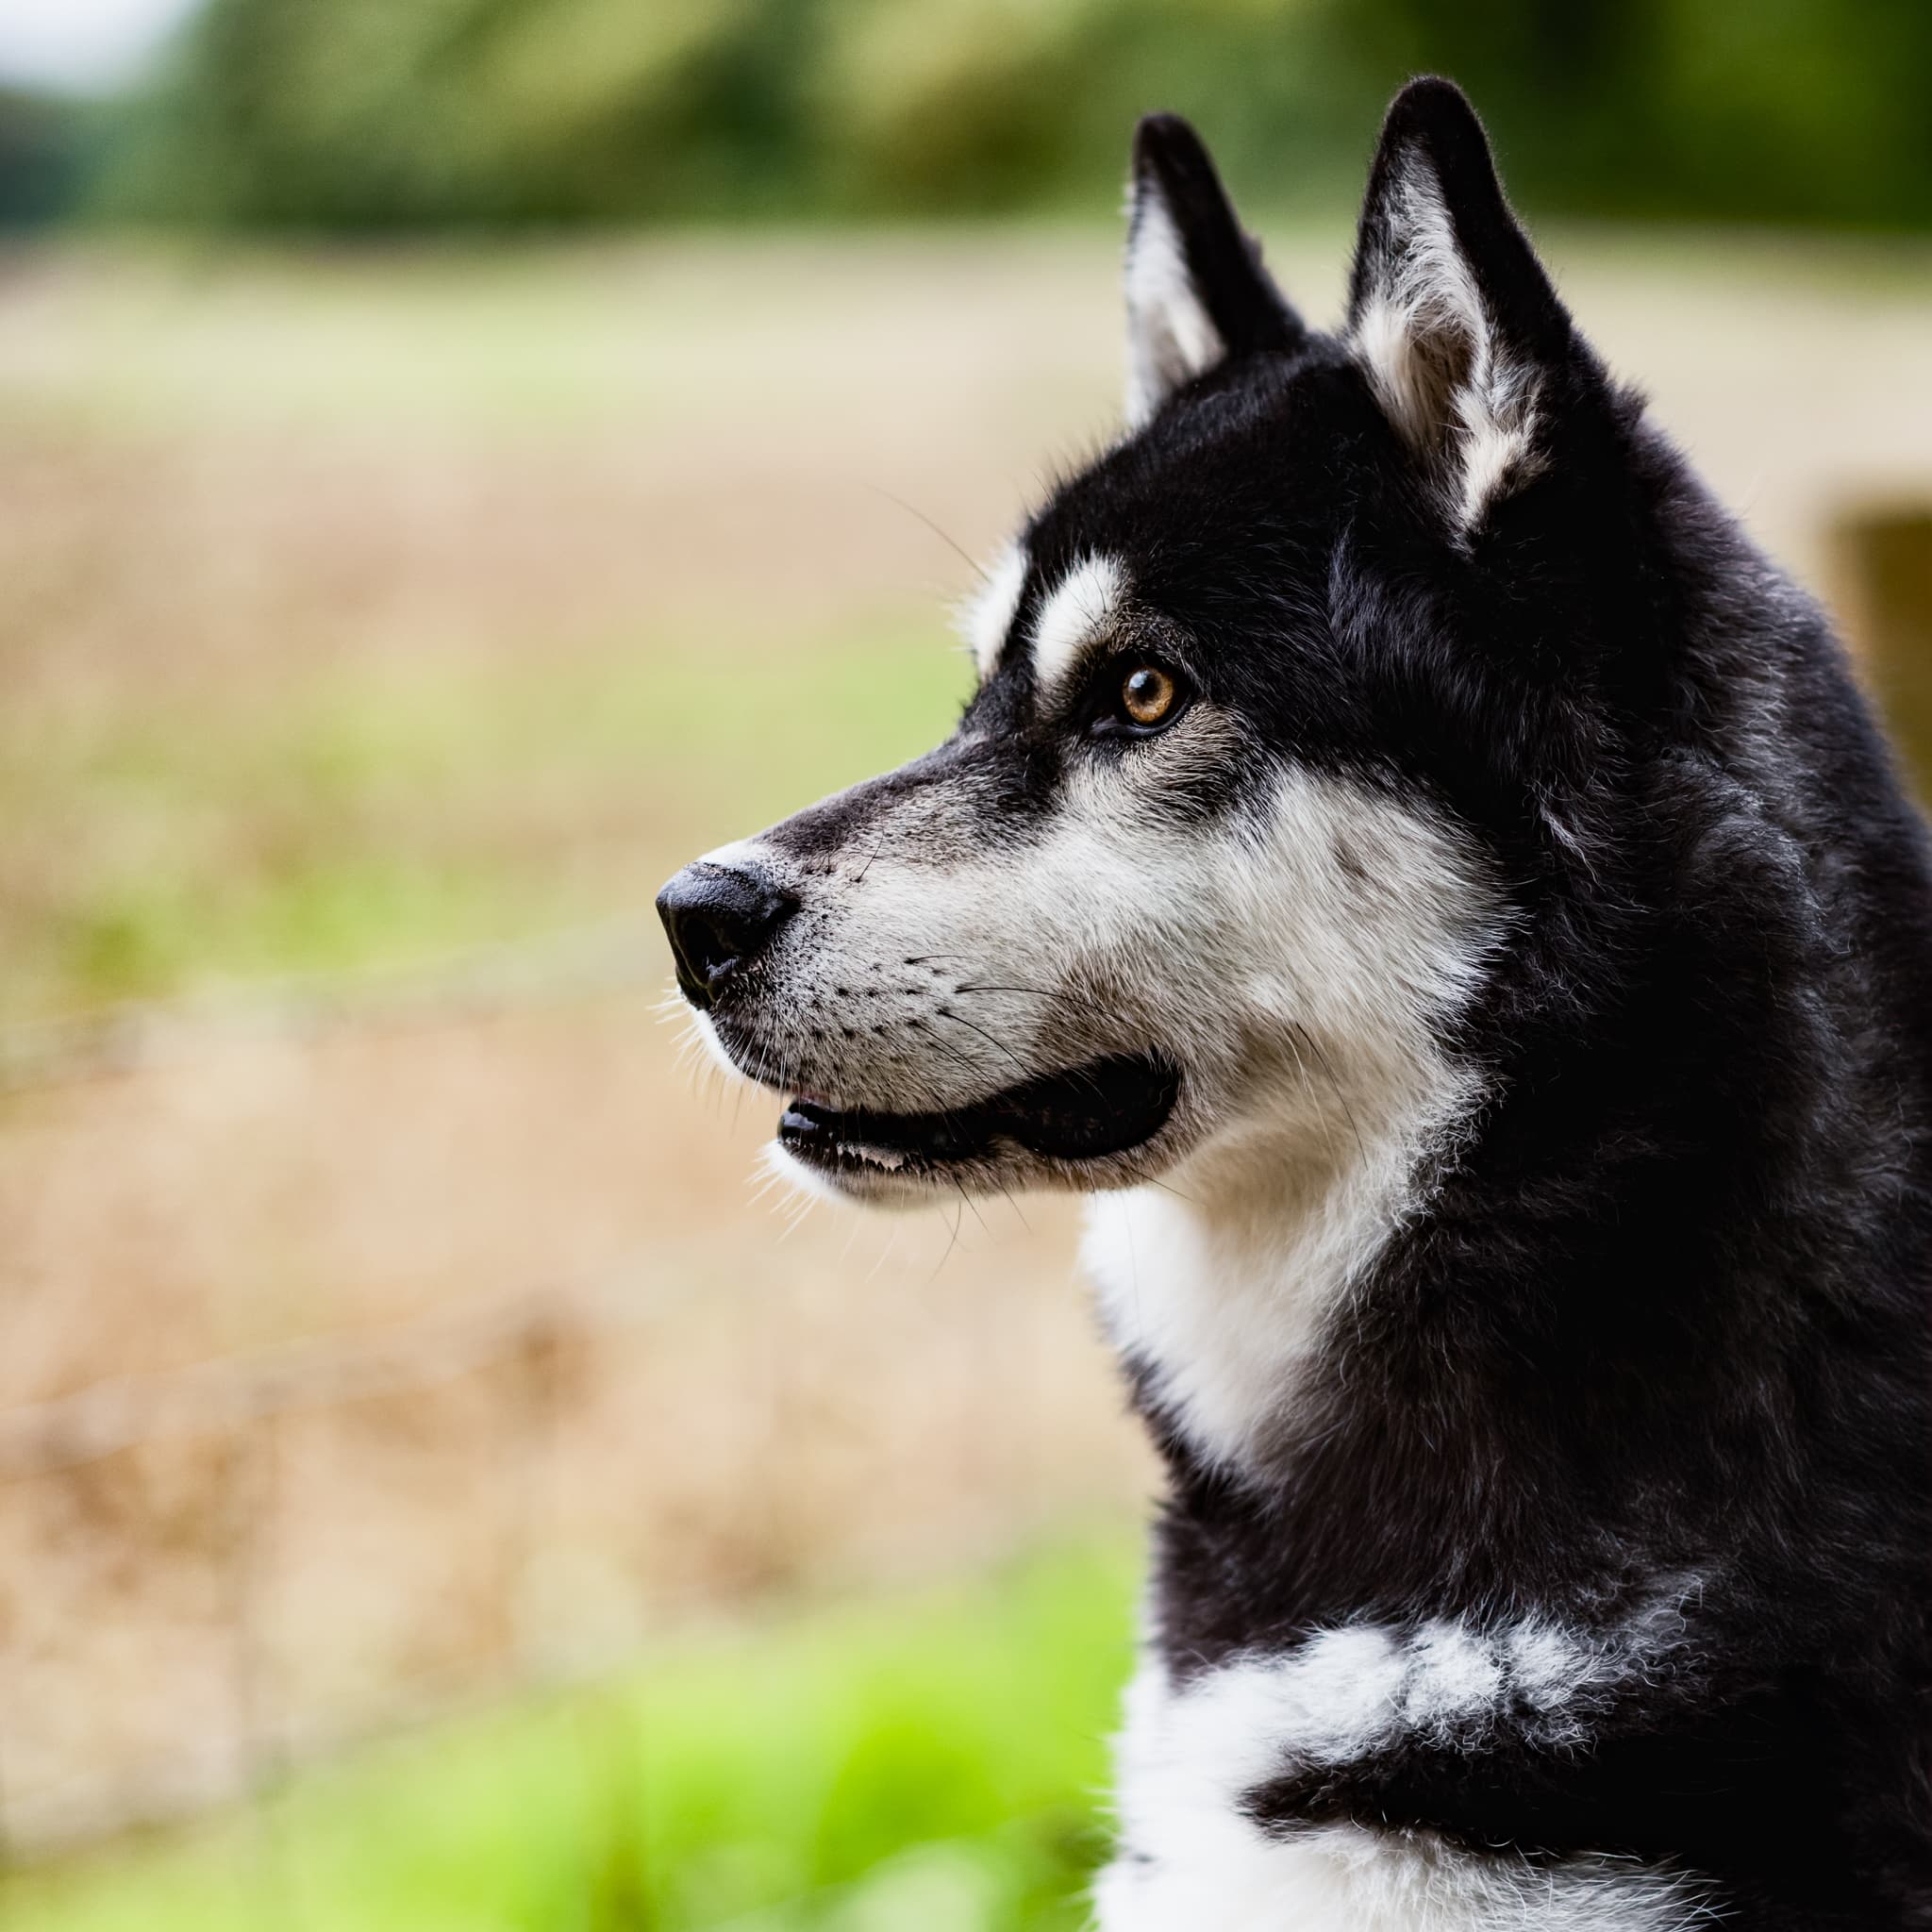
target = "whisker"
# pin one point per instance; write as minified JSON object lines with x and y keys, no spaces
{"x":805,"y":1204}
{"x":971,"y":1203}
{"x":1340,"y":1092}
{"x":885,"y":1253}
{"x":1039,"y":992}
{"x":959,"y":550}
{"x":1301,"y":1067}
{"x":1014,"y":1205}
{"x":953,"y":1054}
{"x":951,"y":1245}
{"x":999,"y":1044}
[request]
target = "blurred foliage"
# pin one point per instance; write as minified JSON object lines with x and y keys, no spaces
{"x":929,"y":1760}
{"x":46,"y":145}
{"x":349,"y":820}
{"x":359,"y":114}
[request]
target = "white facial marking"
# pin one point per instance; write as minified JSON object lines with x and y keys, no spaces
{"x":985,"y":617}
{"x":1171,"y":338}
{"x":1427,"y":317}
{"x":1362,"y":926}
{"x":1083,"y":606}
{"x":1190,"y":1855}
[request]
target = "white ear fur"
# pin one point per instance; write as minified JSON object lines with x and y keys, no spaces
{"x":1436,"y":359}
{"x":1171,"y":337}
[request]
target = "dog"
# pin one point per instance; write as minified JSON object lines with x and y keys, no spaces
{"x":1437,"y":889}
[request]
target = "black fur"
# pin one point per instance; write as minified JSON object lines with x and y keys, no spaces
{"x":1668,"y":1312}
{"x":1662,"y":1323}
{"x":1224,"y":261}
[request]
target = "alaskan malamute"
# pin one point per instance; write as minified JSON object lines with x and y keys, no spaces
{"x":1438,"y":888}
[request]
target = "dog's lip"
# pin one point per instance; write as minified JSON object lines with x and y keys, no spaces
{"x":1087,"y":1112}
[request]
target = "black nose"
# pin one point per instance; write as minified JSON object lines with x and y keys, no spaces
{"x":720,"y":917}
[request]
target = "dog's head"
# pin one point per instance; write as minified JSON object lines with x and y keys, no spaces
{"x":1227,"y":837}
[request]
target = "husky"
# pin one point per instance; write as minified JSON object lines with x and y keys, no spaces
{"x":1437,"y":889}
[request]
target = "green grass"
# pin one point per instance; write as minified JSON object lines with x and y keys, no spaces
{"x":376,"y":816}
{"x":923,"y":1760}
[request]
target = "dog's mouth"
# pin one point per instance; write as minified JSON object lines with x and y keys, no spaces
{"x":1104,"y":1108}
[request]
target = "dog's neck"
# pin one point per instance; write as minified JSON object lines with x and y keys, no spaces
{"x":1216,"y":1284}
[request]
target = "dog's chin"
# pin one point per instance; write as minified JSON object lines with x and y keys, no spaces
{"x":1107,"y":1123}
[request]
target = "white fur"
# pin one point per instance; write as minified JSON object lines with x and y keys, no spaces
{"x":1333,"y":1699}
{"x":1218,"y":1280}
{"x":1426,"y":316}
{"x":1171,"y":338}
{"x":1293,"y":966}
{"x":1191,"y":1857}
{"x":1455,"y":1681}
{"x":1551,"y":1671}
{"x":1085,"y":605}
{"x":984,"y":617}
{"x":1299,"y":965}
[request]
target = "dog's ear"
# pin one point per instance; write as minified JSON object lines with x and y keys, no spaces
{"x":1196,"y":290}
{"x":1450,"y":313}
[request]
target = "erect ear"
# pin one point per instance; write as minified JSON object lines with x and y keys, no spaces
{"x":1196,"y":290}
{"x":1450,"y":312}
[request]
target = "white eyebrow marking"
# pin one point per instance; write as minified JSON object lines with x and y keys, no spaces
{"x":1082,"y":605}
{"x":986,"y":615}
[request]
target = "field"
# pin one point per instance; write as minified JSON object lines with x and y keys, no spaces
{"x":379,"y":630}
{"x":923,"y":1760}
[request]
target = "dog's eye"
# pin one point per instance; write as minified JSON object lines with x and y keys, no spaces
{"x":1148,"y":695}
{"x":1137,"y":699}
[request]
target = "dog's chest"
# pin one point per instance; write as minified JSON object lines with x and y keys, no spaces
{"x":1217,"y":1288}
{"x":1191,"y":1856}
{"x":1220,"y":1320}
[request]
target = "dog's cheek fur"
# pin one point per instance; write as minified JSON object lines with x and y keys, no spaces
{"x":1349,"y":931}
{"x":1294,"y":950}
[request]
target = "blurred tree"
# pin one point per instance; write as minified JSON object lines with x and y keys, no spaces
{"x":368,"y":113}
{"x":44,"y":155}
{"x":375,"y":113}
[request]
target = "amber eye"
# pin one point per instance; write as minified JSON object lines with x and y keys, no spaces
{"x":1147,"y":694}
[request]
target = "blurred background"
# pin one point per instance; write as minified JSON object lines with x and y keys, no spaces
{"x":458,"y":459}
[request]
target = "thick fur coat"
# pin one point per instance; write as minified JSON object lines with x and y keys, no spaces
{"x":1441,"y":890}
